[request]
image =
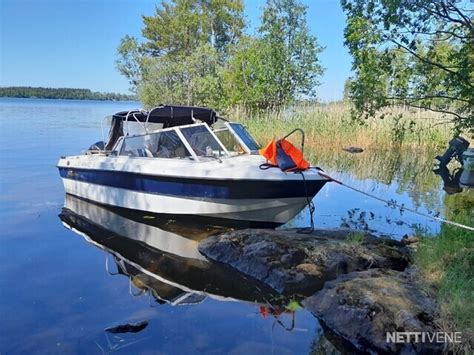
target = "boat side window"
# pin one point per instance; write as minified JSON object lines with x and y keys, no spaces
{"x":245,"y":136}
{"x":202,"y":141}
{"x":137,"y":146}
{"x":165,"y":144}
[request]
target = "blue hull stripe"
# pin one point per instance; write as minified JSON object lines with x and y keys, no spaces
{"x":191,"y":187}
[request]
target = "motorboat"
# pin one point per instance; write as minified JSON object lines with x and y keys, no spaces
{"x":188,"y":162}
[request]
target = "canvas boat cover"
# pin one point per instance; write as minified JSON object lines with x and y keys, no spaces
{"x":171,"y":116}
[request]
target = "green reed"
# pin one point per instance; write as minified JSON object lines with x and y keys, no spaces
{"x":331,"y":126}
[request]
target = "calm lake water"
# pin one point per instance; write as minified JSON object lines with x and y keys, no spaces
{"x":58,"y":294}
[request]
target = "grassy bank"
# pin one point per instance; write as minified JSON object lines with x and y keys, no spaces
{"x":446,"y":266}
{"x":331,"y":126}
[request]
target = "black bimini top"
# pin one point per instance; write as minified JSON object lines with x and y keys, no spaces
{"x":170,"y":116}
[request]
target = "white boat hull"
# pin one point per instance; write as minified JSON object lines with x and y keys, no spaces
{"x":236,"y":190}
{"x":258,"y":210}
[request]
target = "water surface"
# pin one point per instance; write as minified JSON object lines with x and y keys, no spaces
{"x":56,"y":294}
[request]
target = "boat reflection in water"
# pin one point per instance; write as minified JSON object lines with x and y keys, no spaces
{"x":161,"y":257}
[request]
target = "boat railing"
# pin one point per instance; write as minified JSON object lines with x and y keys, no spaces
{"x":149,"y":114}
{"x":133,"y":112}
{"x":102,"y":130}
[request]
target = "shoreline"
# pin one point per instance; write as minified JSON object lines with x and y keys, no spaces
{"x":359,"y":286}
{"x":62,"y":99}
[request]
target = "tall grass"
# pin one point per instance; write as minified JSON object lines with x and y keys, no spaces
{"x":446,"y":265}
{"x":331,"y":126}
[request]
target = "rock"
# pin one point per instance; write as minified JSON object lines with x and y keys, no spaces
{"x":128,"y":328}
{"x":310,"y":269}
{"x":295,"y":263}
{"x":324,"y":346}
{"x":361,"y":307}
{"x":410,"y":240}
{"x":353,"y":149}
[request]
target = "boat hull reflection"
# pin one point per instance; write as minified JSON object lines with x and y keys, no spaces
{"x":160,"y":257}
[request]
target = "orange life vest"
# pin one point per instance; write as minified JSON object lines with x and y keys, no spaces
{"x":284,"y":155}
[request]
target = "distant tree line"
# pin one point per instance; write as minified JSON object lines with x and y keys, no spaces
{"x":196,"y":52}
{"x":61,"y":93}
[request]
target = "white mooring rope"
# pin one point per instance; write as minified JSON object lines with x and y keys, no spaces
{"x":392,"y":203}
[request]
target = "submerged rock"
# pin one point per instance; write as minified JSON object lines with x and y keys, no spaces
{"x":361,"y":307}
{"x":295,"y":263}
{"x":128,"y":328}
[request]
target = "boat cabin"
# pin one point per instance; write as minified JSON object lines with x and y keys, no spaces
{"x":176,"y":132}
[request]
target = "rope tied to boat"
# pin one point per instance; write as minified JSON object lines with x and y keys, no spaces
{"x":392,"y":203}
{"x":311,"y":208}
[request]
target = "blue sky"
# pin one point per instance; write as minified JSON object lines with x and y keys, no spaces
{"x":61,"y":43}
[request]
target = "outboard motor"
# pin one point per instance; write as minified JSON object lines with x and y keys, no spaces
{"x":467,"y":176}
{"x":456,"y":148}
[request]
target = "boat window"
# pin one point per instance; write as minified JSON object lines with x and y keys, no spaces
{"x":229,"y":141}
{"x":202,"y":141}
{"x":245,"y":136}
{"x":165,"y":144}
{"x":169,"y":145}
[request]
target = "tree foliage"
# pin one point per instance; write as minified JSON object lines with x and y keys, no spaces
{"x":278,"y":66}
{"x":186,"y":45}
{"x":412,"y":52}
{"x":195,"y":53}
{"x":182,"y":79}
{"x":346,"y":93}
{"x":180,"y":27}
{"x":132,"y":63}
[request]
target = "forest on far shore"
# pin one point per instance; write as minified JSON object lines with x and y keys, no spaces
{"x":61,"y":93}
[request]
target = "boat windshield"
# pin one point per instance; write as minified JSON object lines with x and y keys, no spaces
{"x":166,"y":144}
{"x":202,"y":141}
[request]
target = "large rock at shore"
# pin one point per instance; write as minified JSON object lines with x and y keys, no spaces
{"x":361,"y":307}
{"x":291,"y":262}
{"x":361,"y":285}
